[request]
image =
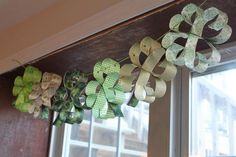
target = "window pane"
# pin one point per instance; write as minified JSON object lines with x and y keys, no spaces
{"x":128,"y":155}
{"x":80,"y":132}
{"x":134,"y":127}
{"x":102,"y":153}
{"x":213,"y":115}
{"x":105,"y":132}
{"x":87,"y":115}
{"x":77,"y":151}
{"x":98,"y":120}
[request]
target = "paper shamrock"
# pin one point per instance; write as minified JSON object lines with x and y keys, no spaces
{"x":105,"y":94}
{"x":69,"y":100}
{"x":187,"y":55}
{"x":43,"y":92}
{"x":155,"y":65}
{"x":23,"y":87}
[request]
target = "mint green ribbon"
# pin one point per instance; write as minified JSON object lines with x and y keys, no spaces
{"x":23,"y":87}
{"x":105,"y":94}
{"x":187,"y":55}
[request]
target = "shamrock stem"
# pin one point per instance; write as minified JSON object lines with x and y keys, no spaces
{"x":203,"y":3}
{"x":159,"y":38}
{"x":89,"y":74}
{"x":124,"y":59}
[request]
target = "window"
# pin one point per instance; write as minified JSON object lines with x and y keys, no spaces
{"x":204,"y":111}
{"x":213,"y":114}
{"x":119,"y":137}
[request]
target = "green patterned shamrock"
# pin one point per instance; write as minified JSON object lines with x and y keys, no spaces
{"x":23,"y":87}
{"x":69,"y":100}
{"x":187,"y":55}
{"x":105,"y":94}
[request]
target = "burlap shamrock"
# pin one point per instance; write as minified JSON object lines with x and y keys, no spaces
{"x":43,"y":92}
{"x":23,"y":87}
{"x":69,"y":100}
{"x":155,"y":58}
{"x":105,"y":94}
{"x":187,"y":55}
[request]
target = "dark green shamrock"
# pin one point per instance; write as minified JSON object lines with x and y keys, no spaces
{"x":69,"y":100}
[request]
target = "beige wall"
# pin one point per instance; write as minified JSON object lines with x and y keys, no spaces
{"x":52,"y":20}
{"x":63,"y":23}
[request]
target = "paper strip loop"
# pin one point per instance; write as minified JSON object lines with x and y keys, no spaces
{"x":69,"y":100}
{"x":105,"y":95}
{"x":23,"y":87}
{"x":155,"y":59}
{"x":43,"y":92}
{"x":187,"y":55}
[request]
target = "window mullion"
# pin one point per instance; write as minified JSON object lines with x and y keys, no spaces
{"x":185,"y":111}
{"x":175,"y":116}
{"x":90,"y":135}
{"x":118,"y":138}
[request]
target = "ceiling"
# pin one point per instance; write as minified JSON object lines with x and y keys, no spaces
{"x":15,"y":11}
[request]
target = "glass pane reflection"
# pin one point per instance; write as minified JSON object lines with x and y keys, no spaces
{"x":80,"y":132}
{"x":134,"y":127}
{"x":213,"y":115}
{"x":77,"y":151}
{"x":102,"y":153}
{"x":105,"y":132}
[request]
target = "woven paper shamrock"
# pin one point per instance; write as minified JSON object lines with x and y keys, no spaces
{"x":23,"y":87}
{"x":69,"y":100}
{"x":43,"y":92}
{"x":105,"y":95}
{"x":154,"y":60}
{"x":187,"y":55}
